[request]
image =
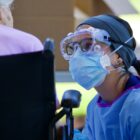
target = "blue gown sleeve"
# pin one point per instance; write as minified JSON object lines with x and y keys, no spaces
{"x":87,"y":132}
{"x":89,"y":128}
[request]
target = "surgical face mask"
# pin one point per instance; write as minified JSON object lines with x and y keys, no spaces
{"x":89,"y":70}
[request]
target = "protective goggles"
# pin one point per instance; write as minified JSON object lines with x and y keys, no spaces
{"x":85,"y":39}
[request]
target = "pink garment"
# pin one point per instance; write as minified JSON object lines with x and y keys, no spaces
{"x":13,"y":41}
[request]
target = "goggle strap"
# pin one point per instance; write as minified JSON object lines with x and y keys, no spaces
{"x":121,"y":46}
{"x":118,"y":42}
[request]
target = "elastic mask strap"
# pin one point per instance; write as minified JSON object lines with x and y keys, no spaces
{"x":121,"y":46}
{"x":119,"y":69}
{"x":111,"y":54}
{"x":107,"y":63}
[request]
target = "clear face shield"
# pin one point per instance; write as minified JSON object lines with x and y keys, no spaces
{"x":85,"y":40}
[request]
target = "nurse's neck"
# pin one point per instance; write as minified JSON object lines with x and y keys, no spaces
{"x":113,"y":86}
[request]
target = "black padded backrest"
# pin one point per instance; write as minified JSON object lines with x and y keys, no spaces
{"x":27,"y":96}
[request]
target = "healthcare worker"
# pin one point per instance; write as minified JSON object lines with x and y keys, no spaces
{"x":101,"y":55}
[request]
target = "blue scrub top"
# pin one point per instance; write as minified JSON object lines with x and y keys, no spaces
{"x":119,"y":120}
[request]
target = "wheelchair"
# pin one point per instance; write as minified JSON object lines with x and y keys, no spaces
{"x":27,"y":97}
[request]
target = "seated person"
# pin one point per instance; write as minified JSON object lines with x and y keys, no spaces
{"x":13,"y":41}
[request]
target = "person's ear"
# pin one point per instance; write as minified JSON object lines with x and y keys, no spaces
{"x":117,"y":61}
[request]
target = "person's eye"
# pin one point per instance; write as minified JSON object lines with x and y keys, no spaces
{"x":86,"y":45}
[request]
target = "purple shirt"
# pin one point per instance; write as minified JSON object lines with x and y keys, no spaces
{"x":13,"y":41}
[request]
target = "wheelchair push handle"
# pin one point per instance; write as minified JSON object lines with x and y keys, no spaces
{"x":49,"y":44}
{"x":71,"y":99}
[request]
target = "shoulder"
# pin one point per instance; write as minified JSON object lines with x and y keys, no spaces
{"x":21,"y":38}
{"x":9,"y":32}
{"x":130,"y":114}
{"x":133,"y":98}
{"x":31,"y":41}
{"x":132,"y":104}
{"x":27,"y":36}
